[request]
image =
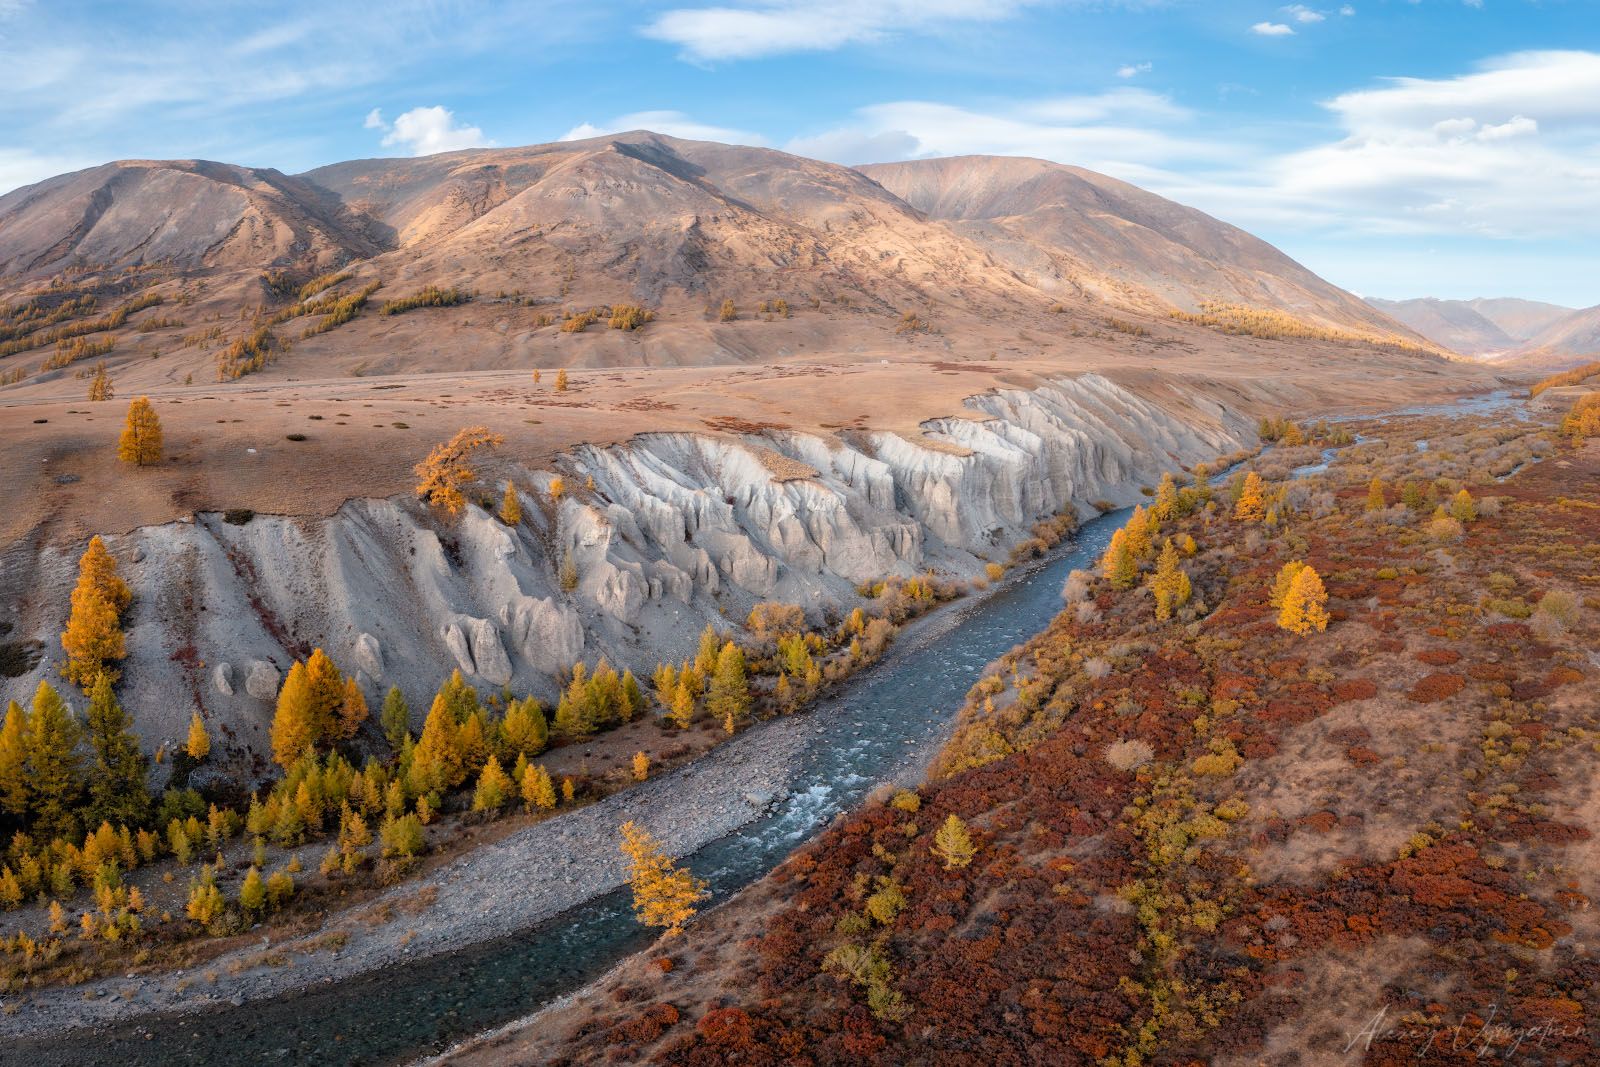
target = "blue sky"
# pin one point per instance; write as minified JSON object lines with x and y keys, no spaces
{"x":1398,"y":147}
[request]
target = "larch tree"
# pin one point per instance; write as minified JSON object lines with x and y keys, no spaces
{"x":561,"y":380}
{"x":294,"y":730}
{"x":1117,"y":563}
{"x":100,"y":384}
{"x":14,"y":789}
{"x":1139,"y":532}
{"x":511,"y":506}
{"x":729,"y":696}
{"x":93,"y":636}
{"x":1375,"y":496}
{"x":682,"y":711}
{"x":538,"y":791}
{"x":437,"y":764}
{"x":198,"y":743}
{"x":1305,"y":607}
{"x":140,"y":443}
{"x":523,"y":731}
{"x":494,"y":787}
{"x":55,"y":769}
{"x":952,"y":843}
{"x":396,"y":718}
{"x":327,"y":693}
{"x":1285,"y":581}
{"x":352,"y":710}
{"x":664,"y":895}
{"x":641,"y":766}
{"x":117,"y":789}
{"x":1170,"y":583}
{"x":1166,"y":503}
{"x":97,"y":568}
{"x":1252,"y":505}
{"x":447,"y":472}
{"x":1463,"y":508}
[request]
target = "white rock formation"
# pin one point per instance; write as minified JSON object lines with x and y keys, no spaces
{"x":681,"y":529}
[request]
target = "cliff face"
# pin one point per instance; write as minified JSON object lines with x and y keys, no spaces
{"x":678,"y":529}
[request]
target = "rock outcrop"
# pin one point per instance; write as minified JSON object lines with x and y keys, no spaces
{"x":678,"y":530}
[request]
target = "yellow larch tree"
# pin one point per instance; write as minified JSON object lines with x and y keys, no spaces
{"x":1305,"y":608}
{"x":198,"y":743}
{"x":448,"y":471}
{"x":140,"y":443}
{"x":293,"y":730}
{"x":1252,"y":505}
{"x":1117,"y":564}
{"x":538,"y":791}
{"x":952,"y":843}
{"x":664,"y":895}
{"x":93,"y":636}
{"x":1170,"y":583}
{"x":1375,"y":497}
{"x":561,"y":380}
{"x":1166,"y":504}
{"x":1284,"y":581}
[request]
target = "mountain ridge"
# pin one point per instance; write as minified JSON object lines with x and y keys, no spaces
{"x":676,"y":224}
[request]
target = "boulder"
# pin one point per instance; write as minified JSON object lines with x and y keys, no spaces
{"x":261,"y":680}
{"x":368,"y":656}
{"x":222,"y":678}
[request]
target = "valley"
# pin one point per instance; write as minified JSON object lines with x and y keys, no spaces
{"x":385,"y":538}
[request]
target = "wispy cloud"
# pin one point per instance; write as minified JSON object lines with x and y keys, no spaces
{"x":1133,"y":70}
{"x":1272,"y":29}
{"x":1121,"y":128}
{"x":774,"y":27}
{"x":671,"y":123}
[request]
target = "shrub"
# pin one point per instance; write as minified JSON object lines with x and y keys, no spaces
{"x":1129,"y":755}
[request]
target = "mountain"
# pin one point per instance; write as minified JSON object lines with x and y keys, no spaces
{"x":1569,"y":340}
{"x":1488,"y":326}
{"x":964,"y":253}
{"x":1065,"y":226}
{"x":188,"y":213}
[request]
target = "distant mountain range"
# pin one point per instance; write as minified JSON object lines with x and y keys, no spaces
{"x":1502,"y":329}
{"x":677,"y":225}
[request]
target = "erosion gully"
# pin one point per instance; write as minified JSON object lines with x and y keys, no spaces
{"x":883,"y":726}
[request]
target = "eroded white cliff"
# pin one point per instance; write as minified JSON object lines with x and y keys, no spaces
{"x":665,"y":533}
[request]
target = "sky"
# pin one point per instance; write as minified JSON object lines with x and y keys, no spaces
{"x":1399,"y":148}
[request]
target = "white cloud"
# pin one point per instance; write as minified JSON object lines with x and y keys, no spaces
{"x":773,"y":27}
{"x":1347,"y":10}
{"x":855,"y":146}
{"x":1301,"y":13}
{"x":671,"y":123}
{"x":1130,"y":70}
{"x":1272,"y":29}
{"x":425,"y":131}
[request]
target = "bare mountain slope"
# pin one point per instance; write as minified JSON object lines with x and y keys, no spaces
{"x":1069,"y":227}
{"x":1569,"y":339}
{"x":1452,"y":323}
{"x":965,"y":256}
{"x":189,"y":213}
